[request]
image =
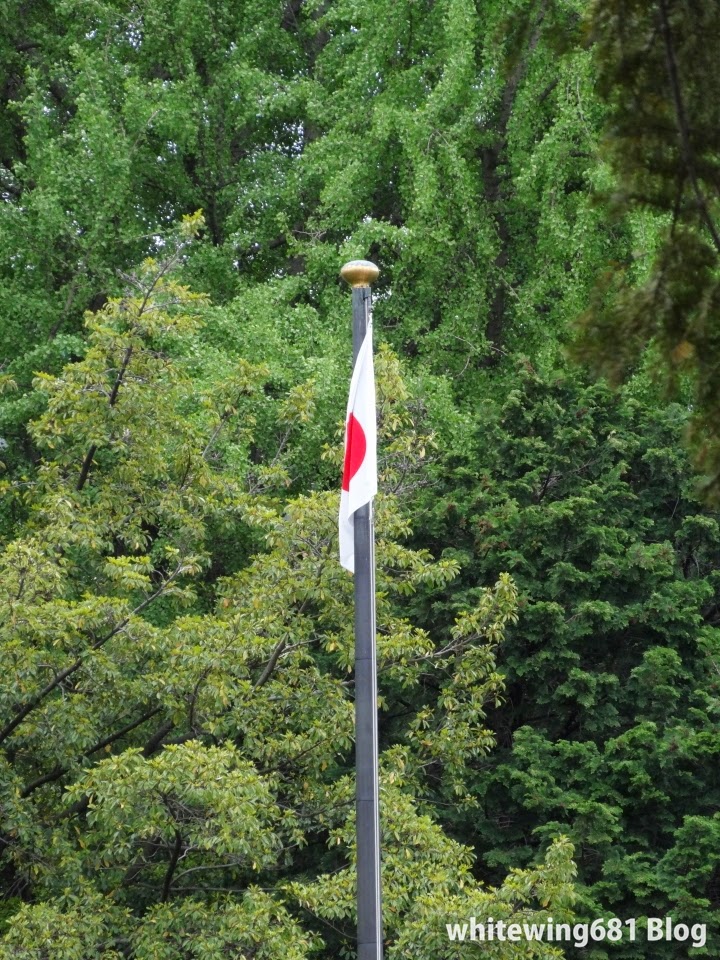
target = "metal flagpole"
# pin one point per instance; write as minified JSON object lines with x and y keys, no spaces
{"x":360,"y":274}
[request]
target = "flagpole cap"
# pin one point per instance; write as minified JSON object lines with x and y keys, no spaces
{"x":360,"y":273}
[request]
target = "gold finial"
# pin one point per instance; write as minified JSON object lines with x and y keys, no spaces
{"x":360,"y":273}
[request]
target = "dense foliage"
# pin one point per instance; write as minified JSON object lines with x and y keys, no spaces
{"x":655,"y":69}
{"x":609,"y":727}
{"x":176,"y":736}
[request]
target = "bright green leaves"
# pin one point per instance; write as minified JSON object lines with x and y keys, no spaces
{"x":178,"y":715}
{"x":191,"y":808}
{"x":452,"y":734}
{"x":175,"y":623}
{"x":526,"y":896}
{"x":82,"y":924}
{"x":427,"y":882}
{"x":256,"y":924}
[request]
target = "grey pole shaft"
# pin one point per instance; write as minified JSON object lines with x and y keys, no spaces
{"x":367,"y":807}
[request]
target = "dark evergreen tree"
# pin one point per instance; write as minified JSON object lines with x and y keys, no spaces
{"x":609,"y":727}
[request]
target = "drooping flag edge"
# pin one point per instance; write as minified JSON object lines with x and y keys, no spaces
{"x":359,"y":481}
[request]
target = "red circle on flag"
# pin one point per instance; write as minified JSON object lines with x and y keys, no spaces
{"x":355,"y":447}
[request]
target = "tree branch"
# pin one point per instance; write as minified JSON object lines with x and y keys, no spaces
{"x":35,"y":701}
{"x":682,"y":123}
{"x":157,"y":738}
{"x":58,"y":772}
{"x":270,"y":665}
{"x":87,"y":462}
{"x":172,"y":866}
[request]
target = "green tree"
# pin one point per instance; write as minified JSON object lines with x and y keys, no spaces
{"x":457,"y":145}
{"x":657,"y":72}
{"x":176,"y":752}
{"x":467,"y":181}
{"x":610,"y":715}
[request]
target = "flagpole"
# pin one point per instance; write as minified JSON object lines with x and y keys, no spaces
{"x":360,"y":274}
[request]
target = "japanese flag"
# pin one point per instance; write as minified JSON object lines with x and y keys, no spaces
{"x":359,"y":482}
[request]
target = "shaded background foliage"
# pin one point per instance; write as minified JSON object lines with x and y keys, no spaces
{"x":661,"y":139}
{"x":496,"y":160}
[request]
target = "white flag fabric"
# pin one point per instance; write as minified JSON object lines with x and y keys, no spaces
{"x":359,"y":482}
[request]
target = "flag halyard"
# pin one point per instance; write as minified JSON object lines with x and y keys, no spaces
{"x":359,"y":483}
